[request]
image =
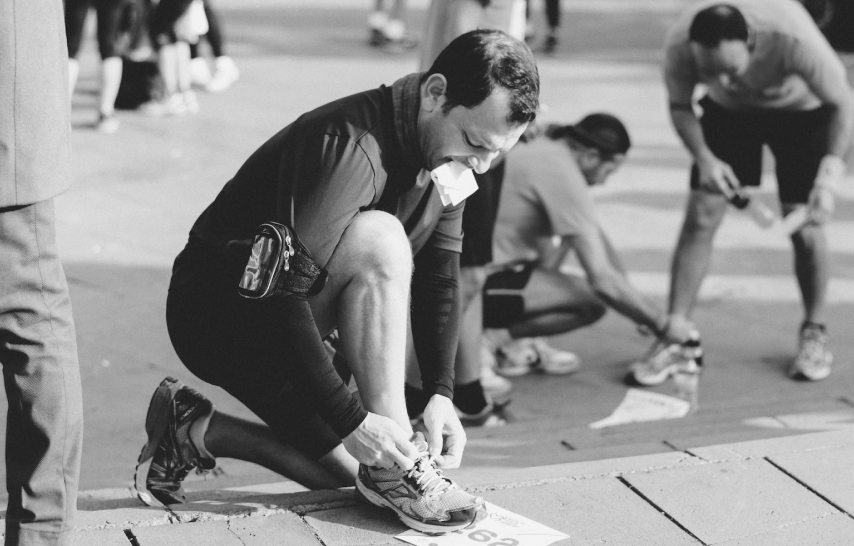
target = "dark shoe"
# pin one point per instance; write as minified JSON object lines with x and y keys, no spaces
{"x":423,"y":498}
{"x":169,"y":454}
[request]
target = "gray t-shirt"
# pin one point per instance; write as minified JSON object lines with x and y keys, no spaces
{"x":792,"y":67}
{"x":544,"y":193}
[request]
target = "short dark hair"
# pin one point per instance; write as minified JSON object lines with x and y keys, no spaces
{"x":477,"y":62}
{"x":717,"y":23}
{"x":603,"y":132}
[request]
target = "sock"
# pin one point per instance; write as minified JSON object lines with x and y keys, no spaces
{"x":470,"y":397}
{"x":197,"y":435}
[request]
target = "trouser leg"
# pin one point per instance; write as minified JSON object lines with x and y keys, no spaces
{"x":38,"y":352}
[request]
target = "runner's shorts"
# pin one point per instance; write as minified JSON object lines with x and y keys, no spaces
{"x":237,"y":344}
{"x":798,"y":140}
{"x":503,"y":304}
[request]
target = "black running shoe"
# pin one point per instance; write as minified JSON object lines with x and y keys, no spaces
{"x":169,"y":454}
{"x":422,"y":497}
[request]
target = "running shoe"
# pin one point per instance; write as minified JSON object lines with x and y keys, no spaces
{"x":491,"y":416}
{"x":814,"y":361}
{"x":225,"y":74}
{"x":107,"y":123}
{"x":661,"y":362}
{"x":423,"y":498}
{"x":170,"y":454}
{"x":498,"y":388}
{"x":525,"y":355}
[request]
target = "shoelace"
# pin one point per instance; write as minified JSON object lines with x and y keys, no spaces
{"x":428,"y":477}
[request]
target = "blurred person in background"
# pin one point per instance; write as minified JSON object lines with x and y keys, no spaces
{"x":112,"y":17}
{"x":771,"y":78}
{"x":387,"y":26}
{"x":225,"y":70}
{"x":44,"y":423}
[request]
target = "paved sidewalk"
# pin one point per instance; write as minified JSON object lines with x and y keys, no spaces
{"x":797,"y":490}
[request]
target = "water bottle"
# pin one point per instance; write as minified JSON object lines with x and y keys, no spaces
{"x":762,"y":215}
{"x":688,"y":370}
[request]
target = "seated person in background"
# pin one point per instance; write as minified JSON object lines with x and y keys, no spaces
{"x":545,"y":197}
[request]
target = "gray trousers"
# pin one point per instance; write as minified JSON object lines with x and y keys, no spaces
{"x":38,"y":352}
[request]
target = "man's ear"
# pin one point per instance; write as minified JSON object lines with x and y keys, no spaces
{"x":433,"y":92}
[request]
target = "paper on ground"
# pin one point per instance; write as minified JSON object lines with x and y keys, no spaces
{"x":454,"y":181}
{"x":641,"y":405}
{"x":499,"y":527}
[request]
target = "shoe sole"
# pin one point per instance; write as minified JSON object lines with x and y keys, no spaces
{"x":156,"y":425}
{"x":797,"y":373}
{"x":654,"y":380}
{"x":377,"y":500}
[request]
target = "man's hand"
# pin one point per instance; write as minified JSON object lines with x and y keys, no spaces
{"x":716,"y":176}
{"x":440,"y":419}
{"x":827,"y":181}
{"x":379,"y":441}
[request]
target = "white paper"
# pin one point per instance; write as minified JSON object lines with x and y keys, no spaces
{"x":641,"y":405}
{"x":499,"y":527}
{"x":454,"y":182}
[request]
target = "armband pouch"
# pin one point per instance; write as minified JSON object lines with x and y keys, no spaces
{"x":279,"y":264}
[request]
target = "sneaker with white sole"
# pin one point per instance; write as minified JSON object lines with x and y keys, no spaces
{"x":814,"y":360}
{"x":663,"y":361}
{"x":525,"y":355}
{"x":170,"y":453}
{"x":225,"y":74}
{"x":498,"y":388}
{"x":107,"y":124}
{"x":422,"y":497}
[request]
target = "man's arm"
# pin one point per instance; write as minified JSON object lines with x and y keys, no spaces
{"x":715,"y":175}
{"x":435,"y":333}
{"x":611,"y":285}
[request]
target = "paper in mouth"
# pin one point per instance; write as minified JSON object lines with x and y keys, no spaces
{"x":454,"y":181}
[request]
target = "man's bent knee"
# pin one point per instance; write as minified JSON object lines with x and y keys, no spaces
{"x":377,"y":244}
{"x":705,"y":212}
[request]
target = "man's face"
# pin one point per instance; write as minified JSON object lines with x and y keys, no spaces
{"x":727,"y":62}
{"x":473,"y":137}
{"x":597,"y":167}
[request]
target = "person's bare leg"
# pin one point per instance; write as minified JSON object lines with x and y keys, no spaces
{"x":229,"y":436}
{"x":693,"y":253}
{"x":367,"y":298}
{"x":556,"y":303}
{"x":167,"y":62}
{"x":73,"y":73}
{"x":111,"y":79}
{"x":468,"y":364}
{"x":812,"y":268}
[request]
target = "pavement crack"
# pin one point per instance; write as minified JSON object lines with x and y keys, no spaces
{"x":808,"y":487}
{"x":131,"y":537}
{"x":313,"y":530}
{"x":230,"y":530}
{"x":659,"y":509}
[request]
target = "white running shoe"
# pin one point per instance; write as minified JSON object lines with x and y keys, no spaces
{"x":814,"y":361}
{"x":525,"y":355}
{"x":661,"y":362}
{"x":225,"y":74}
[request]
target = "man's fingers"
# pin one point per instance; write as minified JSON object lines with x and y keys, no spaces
{"x":454,"y":454}
{"x":728,"y":182}
{"x":434,"y":440}
{"x":401,"y":460}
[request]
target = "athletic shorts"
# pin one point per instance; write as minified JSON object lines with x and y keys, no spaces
{"x":503,"y":303}
{"x":798,"y":140}
{"x":113,"y":17}
{"x":163,"y":20}
{"x":479,"y":218}
{"x":237,"y":344}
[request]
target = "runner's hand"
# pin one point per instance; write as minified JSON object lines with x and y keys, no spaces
{"x":379,"y":441}
{"x":716,"y":176}
{"x":821,"y":205}
{"x":440,"y":419}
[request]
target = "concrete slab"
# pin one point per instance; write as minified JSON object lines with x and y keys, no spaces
{"x":826,"y":471}
{"x":596,"y":511}
{"x":730,"y":500}
{"x":835,"y":530}
{"x":787,"y":444}
{"x":122,"y":517}
{"x":492,"y":477}
{"x":287,"y":529}
{"x":360,"y":525}
{"x":211,"y":533}
{"x":221,"y":506}
{"x":103,"y":537}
